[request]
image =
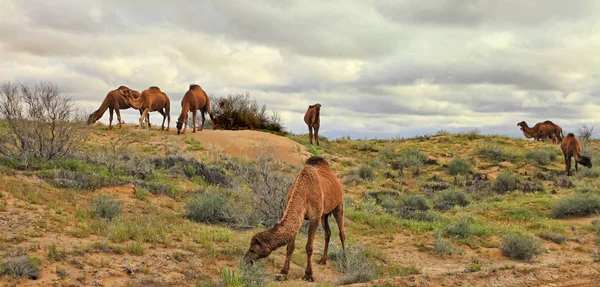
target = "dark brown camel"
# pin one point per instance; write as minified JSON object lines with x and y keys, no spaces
{"x":315,"y":194}
{"x":151,"y":100}
{"x":114,"y":101}
{"x":312,"y":118}
{"x":542,"y":130}
{"x":194,"y":99}
{"x":571,"y":148}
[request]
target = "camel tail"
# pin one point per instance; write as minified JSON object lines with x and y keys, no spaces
{"x":315,"y":160}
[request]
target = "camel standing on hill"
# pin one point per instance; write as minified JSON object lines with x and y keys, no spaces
{"x":194,"y":99}
{"x":114,"y":101}
{"x":571,"y":148}
{"x":312,"y":118}
{"x":315,"y":194}
{"x":542,"y":130}
{"x":151,"y":100}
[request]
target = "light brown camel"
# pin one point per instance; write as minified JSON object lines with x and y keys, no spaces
{"x":151,"y":100}
{"x":114,"y":101}
{"x":315,"y":194}
{"x":542,"y":130}
{"x":312,"y":118}
{"x":571,"y":148}
{"x":194,"y":99}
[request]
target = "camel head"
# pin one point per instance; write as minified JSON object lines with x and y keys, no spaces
{"x":124,"y":91}
{"x":179,"y":124}
{"x":586,"y":161}
{"x":257,"y":249}
{"x":522,"y":124}
{"x":92,"y":118}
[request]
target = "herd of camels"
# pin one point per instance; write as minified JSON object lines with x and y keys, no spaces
{"x":316,"y":192}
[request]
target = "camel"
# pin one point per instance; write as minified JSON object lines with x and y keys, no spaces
{"x":151,"y":100}
{"x":571,"y":148}
{"x":315,"y":194}
{"x":542,"y":130}
{"x":114,"y":101}
{"x":312,"y":118}
{"x":194,"y":99}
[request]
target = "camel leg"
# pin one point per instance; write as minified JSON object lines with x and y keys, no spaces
{"x":164,"y":118}
{"x":316,"y":127}
{"x":576,"y":168}
{"x":148,"y":120}
{"x":110,"y":118}
{"x":144,"y":115}
{"x":195,"y":114}
{"x":312,"y":231}
{"x":568,"y":165}
{"x":288,"y":256}
{"x":325,"y":223}
{"x":338,"y":213}
{"x":119,"y":116}
{"x":203,"y":118}
{"x":310,"y":133}
{"x":212,"y":120}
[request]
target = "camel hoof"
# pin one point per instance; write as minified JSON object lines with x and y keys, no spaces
{"x":308,"y":278}
{"x":281,"y":277}
{"x":322,"y":262}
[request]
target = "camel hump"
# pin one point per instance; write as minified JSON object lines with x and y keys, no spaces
{"x":122,"y":87}
{"x":570,"y":135}
{"x":194,"y":86}
{"x":548,"y":122}
{"x":315,"y":160}
{"x":154,"y":88}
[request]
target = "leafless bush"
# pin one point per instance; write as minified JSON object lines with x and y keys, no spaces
{"x":41,"y":122}
{"x":585,"y":133}
{"x":239,"y":111}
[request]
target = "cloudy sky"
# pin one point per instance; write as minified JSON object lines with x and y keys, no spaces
{"x":378,"y":68}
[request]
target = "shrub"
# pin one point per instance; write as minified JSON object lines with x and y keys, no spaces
{"x":412,"y":159}
{"x":366,"y":172}
{"x":21,"y":266}
{"x":506,"y":181}
{"x":449,"y":198}
{"x":409,"y":207}
{"x":577,"y":205}
{"x":552,"y":236}
{"x":356,"y":266}
{"x":41,"y":123}
{"x":519,"y":246}
{"x":460,"y":228}
{"x":541,"y":157}
{"x":107,"y":207}
{"x":209,"y":208}
{"x":495,"y":153}
{"x":459,"y":166}
{"x":253,"y":274}
{"x":63,"y":178}
{"x":444,"y":247}
{"x":238,"y":111}
{"x":474,"y":266}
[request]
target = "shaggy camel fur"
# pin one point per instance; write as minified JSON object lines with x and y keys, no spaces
{"x":571,"y":148}
{"x":315,"y":194}
{"x":114,"y":101}
{"x":151,"y":100}
{"x":542,"y":130}
{"x":312,"y":118}
{"x":194,"y":99}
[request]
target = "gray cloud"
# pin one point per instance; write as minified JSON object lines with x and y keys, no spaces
{"x":383,"y":68}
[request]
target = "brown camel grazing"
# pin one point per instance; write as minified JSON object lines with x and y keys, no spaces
{"x":151,"y":100}
{"x":571,"y":148}
{"x":315,"y":194}
{"x":194,"y":99}
{"x":542,"y":130}
{"x":312,"y":118}
{"x":114,"y":101}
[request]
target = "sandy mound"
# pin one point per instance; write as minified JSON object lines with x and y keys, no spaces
{"x":245,"y":143}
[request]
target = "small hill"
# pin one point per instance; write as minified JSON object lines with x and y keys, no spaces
{"x":151,"y":208}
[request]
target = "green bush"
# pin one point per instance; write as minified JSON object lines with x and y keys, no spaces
{"x":460,"y":228}
{"x":541,"y":157}
{"x":495,"y":153}
{"x":239,"y":111}
{"x":577,"y":205}
{"x":366,"y":172}
{"x":449,"y":198}
{"x":209,"y":208}
{"x":412,"y":159}
{"x":459,"y":166}
{"x":107,"y":207}
{"x":22,"y":267}
{"x":519,"y":246}
{"x":357,"y":264}
{"x":506,"y":181}
{"x":444,"y":247}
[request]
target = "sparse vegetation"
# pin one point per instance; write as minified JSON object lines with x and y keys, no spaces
{"x":459,"y":166}
{"x":412,"y":159}
{"x":449,"y":198}
{"x":541,"y":157}
{"x":107,"y":207}
{"x":21,"y":266}
{"x":495,"y":154}
{"x":506,"y":181}
{"x":356,"y":266}
{"x":519,"y":246}
{"x":577,"y":205}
